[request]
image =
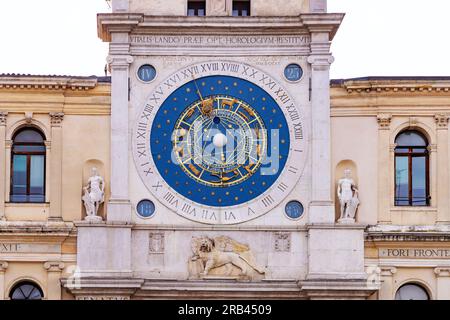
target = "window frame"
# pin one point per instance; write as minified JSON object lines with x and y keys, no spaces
{"x":410,"y":155}
{"x":28,"y":155}
{"x":23,"y":283}
{"x":196,"y":9}
{"x":240,"y":9}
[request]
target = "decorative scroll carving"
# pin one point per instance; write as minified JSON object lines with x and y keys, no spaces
{"x":384,"y":121}
{"x":222,"y":257}
{"x":3,"y":116}
{"x":441,"y":121}
{"x":56,"y":118}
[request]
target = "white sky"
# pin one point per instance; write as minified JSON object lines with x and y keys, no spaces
{"x":378,"y":37}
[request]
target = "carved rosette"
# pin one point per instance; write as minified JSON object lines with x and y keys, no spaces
{"x":384,"y":121}
{"x":56,"y":119}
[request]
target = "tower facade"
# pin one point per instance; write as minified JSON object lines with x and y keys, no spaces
{"x":221,"y":181}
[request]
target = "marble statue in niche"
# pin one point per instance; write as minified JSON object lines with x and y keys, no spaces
{"x":222,"y":257}
{"x":94,"y":196}
{"x":348,"y":198}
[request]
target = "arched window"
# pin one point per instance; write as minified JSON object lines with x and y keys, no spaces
{"x":28,"y":166}
{"x":411,"y":170}
{"x":411,"y":291}
{"x":26,"y":290}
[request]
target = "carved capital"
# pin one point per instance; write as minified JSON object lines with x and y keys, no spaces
{"x":3,"y":266}
{"x":388,"y":271}
{"x":54,"y":266}
{"x":119,"y":61}
{"x":384,"y":121}
{"x":442,"y":271}
{"x":441,"y":121}
{"x":3,"y":116}
{"x":321,"y":62}
{"x":56,"y":118}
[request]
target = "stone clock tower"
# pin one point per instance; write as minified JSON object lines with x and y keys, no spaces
{"x":220,"y":156}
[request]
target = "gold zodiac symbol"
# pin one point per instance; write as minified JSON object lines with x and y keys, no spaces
{"x":230,"y":104}
{"x":194,"y":169}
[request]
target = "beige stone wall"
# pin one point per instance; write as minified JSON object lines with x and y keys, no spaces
{"x":74,"y":115}
{"x":367,"y":115}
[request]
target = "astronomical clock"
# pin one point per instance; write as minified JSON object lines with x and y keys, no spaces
{"x":220,"y":142}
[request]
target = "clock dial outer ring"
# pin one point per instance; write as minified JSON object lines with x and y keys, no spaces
{"x":185,"y":207}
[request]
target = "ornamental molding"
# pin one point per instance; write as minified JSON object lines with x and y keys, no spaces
{"x":54,"y":266}
{"x":3,"y":116}
{"x":394,"y":86}
{"x":442,"y":271}
{"x":142,"y":24}
{"x":441,"y":121}
{"x":384,"y":121}
{"x":30,"y":82}
{"x":3,"y":266}
{"x":388,"y":271}
{"x":56,"y":118}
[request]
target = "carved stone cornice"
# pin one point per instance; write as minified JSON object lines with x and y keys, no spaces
{"x":321,"y":62}
{"x":3,"y":266}
{"x":31,"y":82}
{"x":442,"y":271}
{"x":384,"y":121}
{"x":118,"y":62}
{"x":395,"y":85}
{"x":3,"y":116}
{"x":56,"y":118}
{"x":54,"y":266}
{"x":441,"y":121}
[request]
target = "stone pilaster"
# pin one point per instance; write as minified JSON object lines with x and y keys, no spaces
{"x":321,"y":208}
{"x":56,"y":167}
{"x":3,"y":180}
{"x":54,"y":270}
{"x":119,"y":208}
{"x":443,"y":283}
{"x":442,"y":168}
{"x":3,"y":267}
{"x":387,"y":283}
{"x":384,"y":157}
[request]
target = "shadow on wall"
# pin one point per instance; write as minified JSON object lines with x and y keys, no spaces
{"x":87,"y":171}
{"x":339,"y":174}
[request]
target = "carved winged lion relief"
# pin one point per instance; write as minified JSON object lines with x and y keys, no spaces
{"x":222,"y":257}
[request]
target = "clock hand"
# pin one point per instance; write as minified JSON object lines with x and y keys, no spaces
{"x":207,"y":105}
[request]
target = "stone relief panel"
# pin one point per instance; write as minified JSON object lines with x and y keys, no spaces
{"x":282,"y":242}
{"x":222,"y":258}
{"x":156,"y":243}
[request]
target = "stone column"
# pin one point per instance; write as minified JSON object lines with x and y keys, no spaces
{"x":387,"y":283}
{"x":443,"y":213}
{"x":119,"y":207}
{"x":54,"y":270}
{"x":3,"y":267}
{"x":443,"y":283}
{"x":56,"y":167}
{"x":321,"y":207}
{"x":384,"y":172}
{"x":3,"y":180}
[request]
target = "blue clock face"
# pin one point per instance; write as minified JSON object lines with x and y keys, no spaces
{"x":220,"y":141}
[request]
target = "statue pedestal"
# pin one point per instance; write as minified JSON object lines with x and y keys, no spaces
{"x":95,"y":219}
{"x":346,"y":221}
